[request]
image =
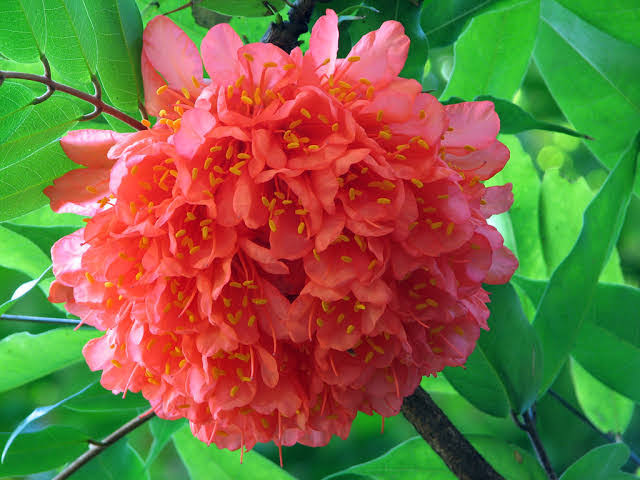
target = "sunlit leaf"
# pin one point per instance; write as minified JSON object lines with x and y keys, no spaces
{"x":442,"y":22}
{"x":162,"y":431}
{"x":241,"y":8}
{"x":572,"y":285}
{"x":601,"y":463}
{"x":596,"y":81}
{"x":97,"y":399}
{"x":18,"y":253}
{"x":21,"y":291}
{"x":490,"y":60}
{"x":205,"y":462}
{"x":25,"y":357}
{"x":23,"y":33}
{"x":120,"y":461}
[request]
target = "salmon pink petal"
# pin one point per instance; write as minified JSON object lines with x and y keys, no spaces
{"x":90,"y":147}
{"x":472,"y":126}
{"x":484,"y":163}
{"x":382,"y":54}
{"x":497,"y":199}
{"x":172,"y":54}
{"x":195,"y":125}
{"x":320,"y":58}
{"x":265,"y":63}
{"x":503,"y":265}
{"x":219,"y":47}
{"x":79,"y":191}
{"x":152,"y":81}
{"x":66,"y":254}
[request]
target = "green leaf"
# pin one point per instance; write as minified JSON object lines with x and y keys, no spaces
{"x":43,"y":450}
{"x":514,"y":119}
{"x":15,"y":99}
{"x":562,"y":204}
{"x":32,"y":417}
{"x":42,"y":237}
{"x":525,"y":211}
{"x":566,"y":299}
{"x":97,"y":399}
{"x":490,"y":60}
{"x":415,"y":459}
{"x":607,"y":410}
{"x":595,"y":84}
{"x":518,"y":364}
{"x":442,"y":22}
{"x":25,"y":357}
{"x":32,"y":158}
{"x":240,"y":8}
{"x":21,"y":291}
{"x":23,"y":33}
{"x":45,"y":217}
{"x":621,"y":18}
{"x":120,"y":461}
{"x":162,"y":431}
{"x":118,"y":30}
{"x":20,"y":254}
{"x":608,"y":345}
{"x":203,"y":462}
{"x":601,"y":463}
{"x":479,"y":383}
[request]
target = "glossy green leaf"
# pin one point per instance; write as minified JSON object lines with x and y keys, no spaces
{"x":479,"y":383}
{"x":43,"y":237}
{"x":18,"y":253}
{"x":497,"y":57}
{"x":32,"y":157}
{"x":596,"y":82}
{"x":203,"y":462}
{"x":562,"y":203}
{"x":442,"y":22}
{"x":97,"y":399}
{"x":572,"y":285}
{"x":601,"y":463}
{"x":241,"y":8}
{"x":608,"y":345}
{"x":525,"y":211}
{"x":118,"y":30}
{"x":162,"y":431}
{"x":25,"y":357}
{"x":32,"y":417}
{"x":45,"y":217}
{"x":43,"y":450}
{"x":120,"y":461}
{"x":518,"y":364}
{"x":23,"y":33}
{"x":415,"y":459}
{"x":15,"y":99}
{"x":21,"y":291}
{"x":621,"y":18}
{"x":607,"y":410}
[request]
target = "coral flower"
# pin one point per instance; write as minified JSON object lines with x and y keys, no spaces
{"x":298,"y":237}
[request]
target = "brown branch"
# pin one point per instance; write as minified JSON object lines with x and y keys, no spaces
{"x":285,"y":34}
{"x":429,"y":421}
{"x":92,"y":99}
{"x":529,"y":426}
{"x":95,"y":448}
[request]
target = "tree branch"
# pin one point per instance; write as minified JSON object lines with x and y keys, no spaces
{"x":92,"y":99}
{"x":445,"y":439}
{"x":529,"y":426}
{"x":285,"y":34}
{"x":95,"y":448}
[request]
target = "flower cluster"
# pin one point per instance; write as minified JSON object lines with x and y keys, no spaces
{"x":298,"y":237}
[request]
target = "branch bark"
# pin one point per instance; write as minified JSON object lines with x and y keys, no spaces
{"x":95,"y":448}
{"x":433,"y":425}
{"x":285,"y":34}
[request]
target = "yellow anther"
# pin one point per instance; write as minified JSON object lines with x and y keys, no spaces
{"x":186,"y":93}
{"x":305,"y":113}
{"x":368,"y":357}
{"x":162,"y":89}
{"x":116,"y":363}
{"x":422,"y":114}
{"x":372,"y":264}
{"x":423,"y":144}
{"x":342,"y":237}
{"x":257,"y":98}
{"x":469,"y":148}
{"x":294,"y":124}
{"x":357,"y":307}
{"x":251,"y":320}
{"x":444,"y":196}
{"x":213,"y":181}
{"x":450,"y":228}
{"x":190,"y":217}
{"x":350,"y":329}
{"x":383,"y":201}
{"x":269,"y":64}
{"x":418,"y":183}
{"x":384,"y":134}
{"x":272,"y":225}
{"x":335,"y":127}
{"x":315,"y":254}
{"x":431,"y":302}
{"x":436,"y":225}
{"x":360,"y":242}
{"x":162,"y":113}
{"x":246,"y":100}
{"x":323,"y":119}
{"x":89,"y":277}
{"x":205,"y":233}
{"x":229,"y":153}
{"x":293,"y":145}
{"x":402,"y":147}
{"x":138,"y":276}
{"x":226,"y":301}
{"x":340,"y":318}
{"x":181,"y":233}
{"x":355,"y":58}
{"x":325,"y":62}
{"x":248,"y":56}
{"x":234,"y":390}
{"x":319,"y":322}
{"x":230,"y":91}
{"x":301,"y":211}
{"x":91,"y":189}
{"x":265,"y":423}
{"x":194,"y":173}
{"x":145,"y":122}
{"x":301,"y":226}
{"x":458,"y":330}
{"x":346,"y":259}
{"x":195,"y":81}
{"x":351,"y":96}
{"x":259,"y":301}
{"x":369,"y":92}
{"x":379,"y":115}
{"x":345,"y":85}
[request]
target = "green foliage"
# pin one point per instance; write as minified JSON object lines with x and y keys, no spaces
{"x":500,"y":64}
{"x":442,"y":22}
{"x":25,"y":357}
{"x":162,"y":431}
{"x":242,"y":8}
{"x":602,"y":463}
{"x":119,"y":461}
{"x":204,"y":462}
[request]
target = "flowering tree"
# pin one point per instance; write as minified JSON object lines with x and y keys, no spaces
{"x":314,"y":229}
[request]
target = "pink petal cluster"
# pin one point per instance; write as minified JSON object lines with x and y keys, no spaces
{"x":298,"y":237}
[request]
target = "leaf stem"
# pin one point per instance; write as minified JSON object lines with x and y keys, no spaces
{"x":29,"y":318}
{"x":95,"y":448}
{"x":446,"y":440}
{"x":94,"y":100}
{"x":529,"y":426}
